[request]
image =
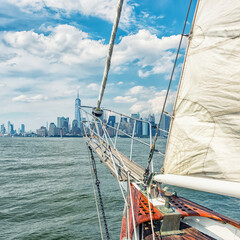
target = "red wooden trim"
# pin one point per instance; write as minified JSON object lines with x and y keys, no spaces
{"x":141,"y":212}
{"x":184,"y":206}
{"x":188,"y":208}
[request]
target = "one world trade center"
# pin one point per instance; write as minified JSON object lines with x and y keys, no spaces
{"x":77,"y":110}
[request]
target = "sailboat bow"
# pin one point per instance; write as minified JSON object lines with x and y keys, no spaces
{"x":203,"y":147}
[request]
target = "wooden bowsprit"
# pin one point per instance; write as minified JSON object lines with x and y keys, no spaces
{"x":115,"y":160}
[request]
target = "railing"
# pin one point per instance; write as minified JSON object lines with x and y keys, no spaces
{"x":125,"y":126}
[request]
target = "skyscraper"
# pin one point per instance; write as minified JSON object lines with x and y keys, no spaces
{"x":111,"y":120}
{"x":3,"y":130}
{"x":63,"y":123}
{"x":77,"y":110}
{"x":145,"y":128}
{"x":75,"y":128}
{"x":22,"y":130}
{"x":9,"y":127}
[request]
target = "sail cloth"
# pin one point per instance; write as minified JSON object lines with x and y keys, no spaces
{"x":204,"y":138}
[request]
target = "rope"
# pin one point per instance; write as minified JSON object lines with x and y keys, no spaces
{"x":150,"y":212}
{"x":110,"y":50}
{"x":95,"y":196}
{"x":133,"y":217}
{"x":166,"y":97}
{"x":99,"y":193}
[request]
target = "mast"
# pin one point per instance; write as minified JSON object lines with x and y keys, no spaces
{"x":109,"y":56}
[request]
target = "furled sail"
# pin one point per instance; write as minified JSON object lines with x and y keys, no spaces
{"x":204,"y":138}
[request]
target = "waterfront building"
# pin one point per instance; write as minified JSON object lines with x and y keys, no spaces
{"x":57,"y":132}
{"x":124,"y":125}
{"x":9,"y":127}
{"x":162,"y":125}
{"x":75,"y":128}
{"x":112,"y":123}
{"x":151,"y":119}
{"x":22,"y":129}
{"x":63,"y":123}
{"x":138,"y":128}
{"x":145,"y":128}
{"x":65,"y":126}
{"x":42,"y":132}
{"x":124,"y":119}
{"x":53,"y":130}
{"x":167,"y":122}
{"x":58,"y":122}
{"x":138,"y":125}
{"x":77,"y":110}
{"x":12,"y":129}
{"x":3,"y":130}
{"x":134,"y":115}
{"x":111,"y":120}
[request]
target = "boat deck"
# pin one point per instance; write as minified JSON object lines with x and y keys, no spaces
{"x":183,"y":206}
{"x":122,"y":163}
{"x":189,"y":233}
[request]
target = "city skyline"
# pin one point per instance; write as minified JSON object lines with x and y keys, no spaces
{"x":77,"y":116}
{"x":20,"y":123}
{"x":63,"y":126}
{"x":46,"y":60}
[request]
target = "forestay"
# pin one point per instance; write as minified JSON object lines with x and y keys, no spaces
{"x":205,"y":132}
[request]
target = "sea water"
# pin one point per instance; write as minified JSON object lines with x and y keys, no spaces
{"x":46,"y":190}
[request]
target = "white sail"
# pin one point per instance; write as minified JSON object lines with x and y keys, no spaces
{"x":205,"y":132}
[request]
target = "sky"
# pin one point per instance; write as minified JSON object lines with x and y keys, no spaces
{"x":50,"y":49}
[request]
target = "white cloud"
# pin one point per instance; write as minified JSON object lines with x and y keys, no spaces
{"x":105,"y":9}
{"x":154,"y":103}
{"x":120,"y":83}
{"x":147,"y":100}
{"x":93,"y":87}
{"x":147,"y":50}
{"x":125,"y":99}
{"x":136,"y":90}
{"x":141,"y":91}
{"x":66,"y":51}
{"x":24,"y":98}
{"x":65,"y":44}
{"x":69,"y":50}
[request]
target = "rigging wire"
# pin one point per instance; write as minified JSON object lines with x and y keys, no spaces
{"x":131,"y":202}
{"x":95,"y":196}
{"x":146,"y":174}
{"x":99,"y":193}
{"x":150,"y":212}
{"x":110,"y":50}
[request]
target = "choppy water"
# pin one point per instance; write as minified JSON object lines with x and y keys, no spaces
{"x":46,"y":191}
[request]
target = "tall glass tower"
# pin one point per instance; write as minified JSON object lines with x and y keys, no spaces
{"x":77,"y":110}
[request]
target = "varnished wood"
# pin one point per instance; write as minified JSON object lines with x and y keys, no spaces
{"x":185,"y":207}
{"x":188,"y":208}
{"x":189,"y":233}
{"x":122,"y":162}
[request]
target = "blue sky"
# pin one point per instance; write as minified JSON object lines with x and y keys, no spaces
{"x":51,"y":48}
